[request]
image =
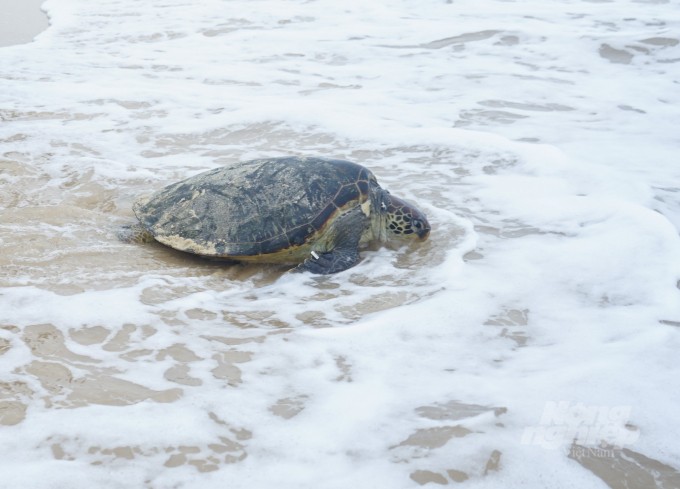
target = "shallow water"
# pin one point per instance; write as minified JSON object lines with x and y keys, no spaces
{"x":541,"y":140}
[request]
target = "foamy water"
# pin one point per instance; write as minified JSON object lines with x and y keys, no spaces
{"x":532,"y":341}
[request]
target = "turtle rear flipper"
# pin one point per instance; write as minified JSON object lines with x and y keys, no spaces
{"x":135,"y":233}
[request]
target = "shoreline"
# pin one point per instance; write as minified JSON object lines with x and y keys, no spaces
{"x":21,"y":22}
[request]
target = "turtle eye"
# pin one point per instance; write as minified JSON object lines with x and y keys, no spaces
{"x":383,"y":206}
{"x":422,"y":229}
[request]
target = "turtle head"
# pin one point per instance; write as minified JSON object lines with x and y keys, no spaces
{"x":403,"y":219}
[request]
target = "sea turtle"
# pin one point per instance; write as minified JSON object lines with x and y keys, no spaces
{"x":313,"y":212}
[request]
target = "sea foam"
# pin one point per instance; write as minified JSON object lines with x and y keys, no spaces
{"x":539,"y":138}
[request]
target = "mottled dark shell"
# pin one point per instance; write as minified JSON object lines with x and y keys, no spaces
{"x":255,"y":207}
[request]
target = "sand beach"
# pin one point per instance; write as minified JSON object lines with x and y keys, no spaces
{"x":21,"y":21}
{"x":531,"y":342}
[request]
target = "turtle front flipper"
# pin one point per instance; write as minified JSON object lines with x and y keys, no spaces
{"x":331,"y":262}
{"x":344,"y":254}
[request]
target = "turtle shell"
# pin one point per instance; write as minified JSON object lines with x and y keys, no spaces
{"x":255,"y":208}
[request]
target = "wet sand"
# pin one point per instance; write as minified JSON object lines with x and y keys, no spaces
{"x":21,"y":21}
{"x":545,"y":279}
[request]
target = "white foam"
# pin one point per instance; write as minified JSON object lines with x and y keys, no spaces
{"x":540,"y":139}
